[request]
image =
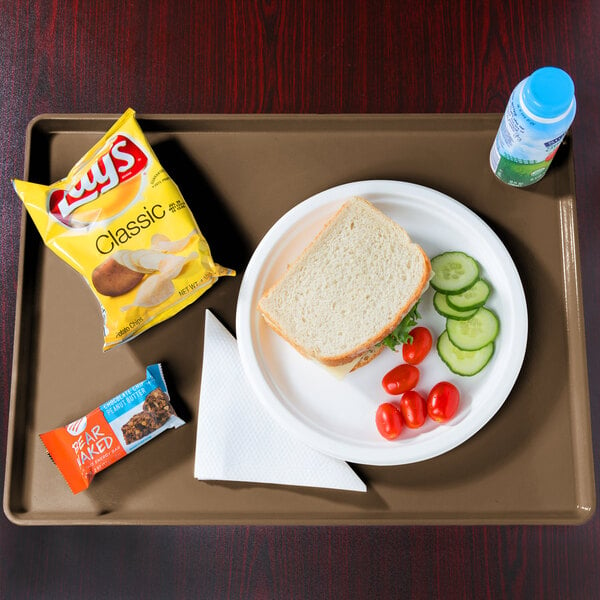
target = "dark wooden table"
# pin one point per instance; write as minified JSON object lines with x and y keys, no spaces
{"x":305,"y":56}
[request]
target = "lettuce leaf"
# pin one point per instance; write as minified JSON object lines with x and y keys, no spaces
{"x":400,"y":335}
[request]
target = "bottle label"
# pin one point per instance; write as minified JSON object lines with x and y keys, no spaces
{"x":523,"y":148}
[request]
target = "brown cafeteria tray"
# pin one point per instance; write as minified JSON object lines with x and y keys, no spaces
{"x":532,"y":463}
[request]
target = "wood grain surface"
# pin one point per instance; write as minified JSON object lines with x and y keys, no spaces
{"x":305,"y":56}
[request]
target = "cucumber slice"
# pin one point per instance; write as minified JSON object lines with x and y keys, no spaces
{"x":463,"y":362}
{"x":454,"y":272}
{"x":474,"y":333}
{"x":475,"y":297}
{"x":440,"y":303}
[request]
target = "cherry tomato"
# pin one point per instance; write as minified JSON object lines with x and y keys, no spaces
{"x":442,"y":402}
{"x":388,"y":419}
{"x":414,"y":409}
{"x":413,"y":353}
{"x":400,"y":379}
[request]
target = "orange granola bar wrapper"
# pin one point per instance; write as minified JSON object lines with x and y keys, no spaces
{"x":113,"y":430}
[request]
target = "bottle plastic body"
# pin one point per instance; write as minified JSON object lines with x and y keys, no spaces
{"x":533,"y":128}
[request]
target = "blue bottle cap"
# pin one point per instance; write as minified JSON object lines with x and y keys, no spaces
{"x":548,"y":92}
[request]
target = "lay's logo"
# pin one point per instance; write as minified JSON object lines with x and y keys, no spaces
{"x":119,"y":165}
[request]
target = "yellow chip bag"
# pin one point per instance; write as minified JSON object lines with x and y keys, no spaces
{"x":120,"y":221}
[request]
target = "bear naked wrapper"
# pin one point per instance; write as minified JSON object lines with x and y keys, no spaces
{"x":114,"y":429}
{"x":120,"y":221}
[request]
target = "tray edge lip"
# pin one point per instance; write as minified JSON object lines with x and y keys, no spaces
{"x":47,"y":117}
{"x":8,"y":463}
{"x":584,"y":478}
{"x":579,"y":516}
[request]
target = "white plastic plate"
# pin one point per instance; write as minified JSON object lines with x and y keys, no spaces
{"x":337,"y":417}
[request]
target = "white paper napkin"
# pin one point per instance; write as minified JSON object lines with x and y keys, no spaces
{"x":237,"y":440}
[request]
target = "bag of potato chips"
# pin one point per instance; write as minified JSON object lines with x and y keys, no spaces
{"x":120,"y":221}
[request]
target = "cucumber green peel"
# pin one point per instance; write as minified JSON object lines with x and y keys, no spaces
{"x":474,"y":333}
{"x":442,"y":306}
{"x":475,"y":297}
{"x":463,"y":362}
{"x":455,"y":272}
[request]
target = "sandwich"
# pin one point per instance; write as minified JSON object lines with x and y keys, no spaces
{"x":353,"y":291}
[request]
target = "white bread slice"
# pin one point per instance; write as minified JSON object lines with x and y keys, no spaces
{"x":349,"y":288}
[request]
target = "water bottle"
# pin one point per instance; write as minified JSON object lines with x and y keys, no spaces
{"x":539,"y":112}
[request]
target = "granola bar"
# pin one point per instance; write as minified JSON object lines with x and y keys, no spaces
{"x":158,"y":405}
